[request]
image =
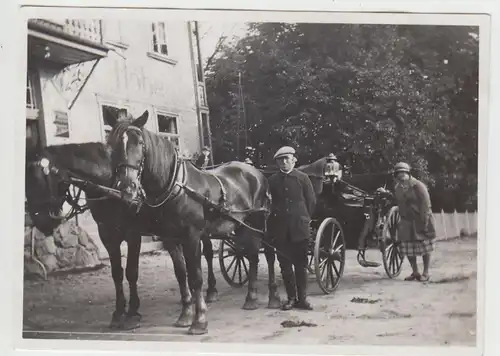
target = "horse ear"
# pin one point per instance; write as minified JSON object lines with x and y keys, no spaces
{"x":141,"y":120}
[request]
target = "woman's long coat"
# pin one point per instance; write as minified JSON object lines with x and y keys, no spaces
{"x":417,"y":222}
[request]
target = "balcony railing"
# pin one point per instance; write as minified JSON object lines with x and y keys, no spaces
{"x":89,"y":30}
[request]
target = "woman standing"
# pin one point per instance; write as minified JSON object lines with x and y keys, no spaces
{"x":416,"y":229}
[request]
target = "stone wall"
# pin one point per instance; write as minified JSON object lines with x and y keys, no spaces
{"x":68,"y":248}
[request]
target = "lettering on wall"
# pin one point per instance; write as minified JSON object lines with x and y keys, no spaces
{"x":135,"y":82}
{"x":146,"y":85}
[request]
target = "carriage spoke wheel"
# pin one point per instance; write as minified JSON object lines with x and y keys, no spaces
{"x":329,"y":255}
{"x":233,"y":263}
{"x":391,"y":251}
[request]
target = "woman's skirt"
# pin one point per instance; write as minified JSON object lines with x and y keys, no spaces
{"x":417,"y":248}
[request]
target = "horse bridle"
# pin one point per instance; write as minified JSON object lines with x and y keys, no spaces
{"x":140,"y":166}
{"x":143,"y":199}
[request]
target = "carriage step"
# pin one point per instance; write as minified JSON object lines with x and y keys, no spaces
{"x":365,"y":263}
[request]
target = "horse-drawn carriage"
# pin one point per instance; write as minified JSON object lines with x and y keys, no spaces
{"x":339,"y":221}
{"x":173,"y":199}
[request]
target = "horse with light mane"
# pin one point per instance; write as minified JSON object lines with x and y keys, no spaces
{"x":230,"y":201}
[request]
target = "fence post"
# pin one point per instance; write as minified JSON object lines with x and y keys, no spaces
{"x":469,"y":232}
{"x":455,"y":220}
{"x":475,"y":222}
{"x":444,"y":223}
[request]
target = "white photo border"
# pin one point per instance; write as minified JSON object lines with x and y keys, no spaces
{"x":434,"y":13}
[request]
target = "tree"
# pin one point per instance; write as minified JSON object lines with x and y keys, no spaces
{"x":373,"y":94}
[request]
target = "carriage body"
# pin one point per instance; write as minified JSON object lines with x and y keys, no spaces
{"x":339,"y":218}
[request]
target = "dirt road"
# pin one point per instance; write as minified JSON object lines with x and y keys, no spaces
{"x":395,"y":312}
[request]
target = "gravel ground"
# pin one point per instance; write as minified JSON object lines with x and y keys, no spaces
{"x":395,"y":312}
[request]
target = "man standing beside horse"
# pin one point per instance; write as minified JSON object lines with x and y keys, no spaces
{"x":293,"y":203}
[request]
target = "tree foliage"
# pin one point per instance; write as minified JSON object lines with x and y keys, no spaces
{"x":372,"y":94}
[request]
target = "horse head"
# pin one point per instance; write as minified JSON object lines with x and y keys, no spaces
{"x":128,"y":154}
{"x":45,"y":192}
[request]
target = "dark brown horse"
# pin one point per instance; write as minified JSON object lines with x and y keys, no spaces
{"x":46,"y":193}
{"x":230,"y":201}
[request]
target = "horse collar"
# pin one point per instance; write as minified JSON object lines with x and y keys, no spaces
{"x":169,"y":191}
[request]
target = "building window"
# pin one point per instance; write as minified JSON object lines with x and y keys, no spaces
{"x":30,"y":94}
{"x":62,"y":124}
{"x":167,"y":126}
{"x":201,"y":95}
{"x":32,"y":106}
{"x":108,"y":112}
{"x":159,"y":38}
{"x":159,"y":47}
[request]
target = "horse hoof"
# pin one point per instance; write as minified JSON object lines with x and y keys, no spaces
{"x":186,"y":318}
{"x":274,"y":303}
{"x":198,"y":328}
{"x":117,"y":321}
{"x":184,"y":321}
{"x":212,"y":296}
{"x":250,"y":305}
{"x":132,"y":321}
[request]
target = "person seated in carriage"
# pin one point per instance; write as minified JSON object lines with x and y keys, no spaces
{"x":333,"y":169}
{"x":249,"y":155}
{"x":293,"y":204}
{"x":204,"y":159}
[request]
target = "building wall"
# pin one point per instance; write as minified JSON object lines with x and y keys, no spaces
{"x":129,"y":77}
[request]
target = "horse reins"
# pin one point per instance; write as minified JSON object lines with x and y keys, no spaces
{"x":168,"y":195}
{"x":169,"y":191}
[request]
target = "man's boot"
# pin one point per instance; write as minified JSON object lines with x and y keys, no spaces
{"x":291,"y":291}
{"x":301,"y":279}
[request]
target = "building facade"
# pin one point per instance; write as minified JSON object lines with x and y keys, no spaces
{"x":81,"y":71}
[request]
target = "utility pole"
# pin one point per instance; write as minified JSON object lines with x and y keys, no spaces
{"x":238,"y":122}
{"x":242,"y":100}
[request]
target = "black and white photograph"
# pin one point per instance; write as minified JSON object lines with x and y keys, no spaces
{"x":254,"y":179}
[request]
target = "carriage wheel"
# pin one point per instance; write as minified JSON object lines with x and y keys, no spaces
{"x":329,"y":255}
{"x":391,"y":252}
{"x":233,"y":264}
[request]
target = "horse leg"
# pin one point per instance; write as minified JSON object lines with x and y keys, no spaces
{"x":192,"y":254}
{"x":175,"y":251}
{"x":208,"y":252}
{"x":132,"y":273}
{"x":274,"y":296}
{"x":251,"y":301}
{"x":113,"y":248}
{"x":252,"y":244}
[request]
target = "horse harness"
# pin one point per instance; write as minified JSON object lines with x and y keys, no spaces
{"x":178,"y":184}
{"x":71,"y":179}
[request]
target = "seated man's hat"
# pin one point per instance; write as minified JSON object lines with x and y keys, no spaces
{"x":283,"y":151}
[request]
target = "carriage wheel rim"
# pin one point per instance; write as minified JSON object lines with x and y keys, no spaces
{"x":328,"y":267}
{"x":391,"y":254}
{"x":236,"y":272}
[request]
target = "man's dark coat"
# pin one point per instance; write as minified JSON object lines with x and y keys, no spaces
{"x":293,"y":203}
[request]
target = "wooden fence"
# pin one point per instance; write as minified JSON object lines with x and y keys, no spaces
{"x":449,"y":225}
